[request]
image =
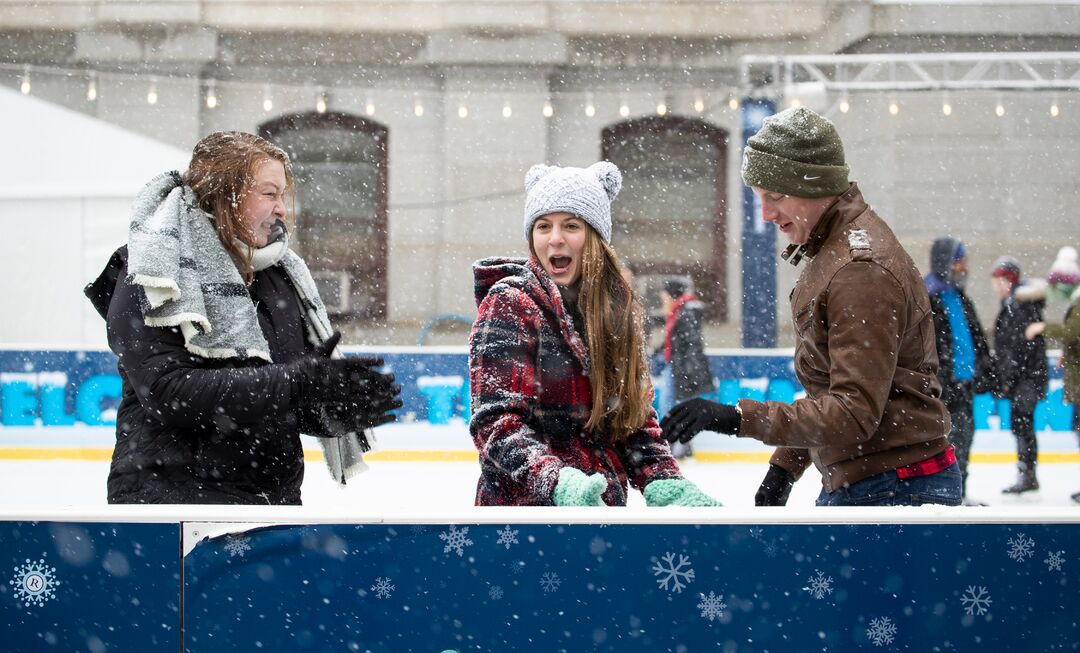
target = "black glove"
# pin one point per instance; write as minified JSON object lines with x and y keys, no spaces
{"x":364,"y":415}
{"x":318,"y":379}
{"x":776,"y":487}
{"x":693,"y":416}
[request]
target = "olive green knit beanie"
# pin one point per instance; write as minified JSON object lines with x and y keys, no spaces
{"x":796,"y":152}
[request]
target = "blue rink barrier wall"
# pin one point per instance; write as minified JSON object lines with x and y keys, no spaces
{"x":63,"y":387}
{"x":546,"y":580}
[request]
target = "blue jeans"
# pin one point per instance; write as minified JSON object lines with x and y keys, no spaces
{"x":888,"y":489}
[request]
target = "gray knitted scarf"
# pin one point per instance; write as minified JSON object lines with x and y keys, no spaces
{"x":191,"y":282}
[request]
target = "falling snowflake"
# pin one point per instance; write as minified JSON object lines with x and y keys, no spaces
{"x":507,"y":536}
{"x":976,"y":602}
{"x":455,"y":540}
{"x":237,"y":545}
{"x":495,"y":592}
{"x":673,"y":573}
{"x":382,"y":588}
{"x":712,"y":606}
{"x":820,"y":586}
{"x":881,"y":631}
{"x":597,"y":546}
{"x":1021,"y":547}
{"x":550,"y":581}
{"x":1054,"y":560}
{"x":34,"y":583}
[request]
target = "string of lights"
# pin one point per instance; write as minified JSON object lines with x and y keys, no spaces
{"x":797,"y":77}
{"x":796,"y":80}
{"x":692,"y":98}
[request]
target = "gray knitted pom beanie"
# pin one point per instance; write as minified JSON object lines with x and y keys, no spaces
{"x":585,"y":192}
{"x":796,"y":152}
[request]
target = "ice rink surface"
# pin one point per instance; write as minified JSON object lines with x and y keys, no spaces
{"x":421,"y":467}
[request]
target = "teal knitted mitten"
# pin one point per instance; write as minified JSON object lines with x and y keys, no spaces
{"x":676,"y":492}
{"x":575,"y":488}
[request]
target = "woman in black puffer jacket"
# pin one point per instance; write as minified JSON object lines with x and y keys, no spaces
{"x":225,"y":351}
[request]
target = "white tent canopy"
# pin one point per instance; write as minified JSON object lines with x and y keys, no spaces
{"x":67,"y":181}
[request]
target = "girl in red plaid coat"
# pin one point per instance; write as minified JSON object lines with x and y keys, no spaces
{"x":561,"y":395}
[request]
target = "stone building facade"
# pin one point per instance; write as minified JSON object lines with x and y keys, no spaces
{"x":412,"y":123}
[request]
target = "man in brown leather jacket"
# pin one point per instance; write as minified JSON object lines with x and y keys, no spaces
{"x":872,"y":421}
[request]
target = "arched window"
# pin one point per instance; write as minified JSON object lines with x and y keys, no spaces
{"x":340,"y":163}
{"x":669,"y":218}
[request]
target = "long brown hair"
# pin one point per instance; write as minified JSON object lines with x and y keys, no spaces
{"x":221,"y":172}
{"x":614,"y":334}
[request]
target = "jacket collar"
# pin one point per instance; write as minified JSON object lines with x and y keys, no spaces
{"x":843,"y":211}
{"x":528,"y":276}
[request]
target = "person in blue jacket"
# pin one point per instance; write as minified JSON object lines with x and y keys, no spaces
{"x":966,"y":367}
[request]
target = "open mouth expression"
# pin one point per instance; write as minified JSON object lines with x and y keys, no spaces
{"x":558,"y":240}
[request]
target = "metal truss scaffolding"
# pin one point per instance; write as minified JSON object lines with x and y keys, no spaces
{"x":776,"y":76}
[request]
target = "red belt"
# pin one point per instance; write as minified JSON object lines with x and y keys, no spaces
{"x":928,"y":466}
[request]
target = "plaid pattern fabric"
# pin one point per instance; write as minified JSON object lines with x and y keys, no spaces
{"x":928,"y":466}
{"x":531,"y":398}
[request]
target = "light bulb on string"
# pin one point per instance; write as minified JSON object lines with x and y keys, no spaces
{"x":91,"y":88}
{"x":268,"y":100}
{"x":624,"y":108}
{"x":548,"y":110}
{"x":211,"y":95}
{"x":999,"y":109}
{"x":24,"y":83}
{"x":894,"y":107}
{"x":733,"y":102}
{"x":661,"y":108}
{"x":1055,"y":110}
{"x":699,"y":104}
{"x":507,"y":111}
{"x":369,"y":107}
{"x":590,"y":108}
{"x":320,"y":102}
{"x":462,"y":111}
{"x":946,"y":105}
{"x":151,"y":93}
{"x":845,"y":105}
{"x":418,"y":108}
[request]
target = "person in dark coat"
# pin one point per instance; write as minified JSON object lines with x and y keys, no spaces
{"x":683,"y":349}
{"x":225,"y":351}
{"x":1064,"y":279}
{"x":1021,"y":363}
{"x":561,"y":393}
{"x":965,"y":364}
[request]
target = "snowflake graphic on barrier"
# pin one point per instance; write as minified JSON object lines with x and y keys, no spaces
{"x":712,"y":606}
{"x":495,"y":592}
{"x":382,"y":588}
{"x":455,"y":540}
{"x":673,"y":573}
{"x":756,"y":532}
{"x":1021,"y":547}
{"x":819,"y":586}
{"x":550,"y":581}
{"x":517,"y":566}
{"x":34,"y":583}
{"x":237,"y":545}
{"x":976,"y":601}
{"x":882,"y":631}
{"x":1054,"y":560}
{"x":507,"y":537}
{"x":771,"y":549}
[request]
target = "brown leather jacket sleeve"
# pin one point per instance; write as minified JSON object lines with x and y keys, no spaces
{"x":864,"y":314}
